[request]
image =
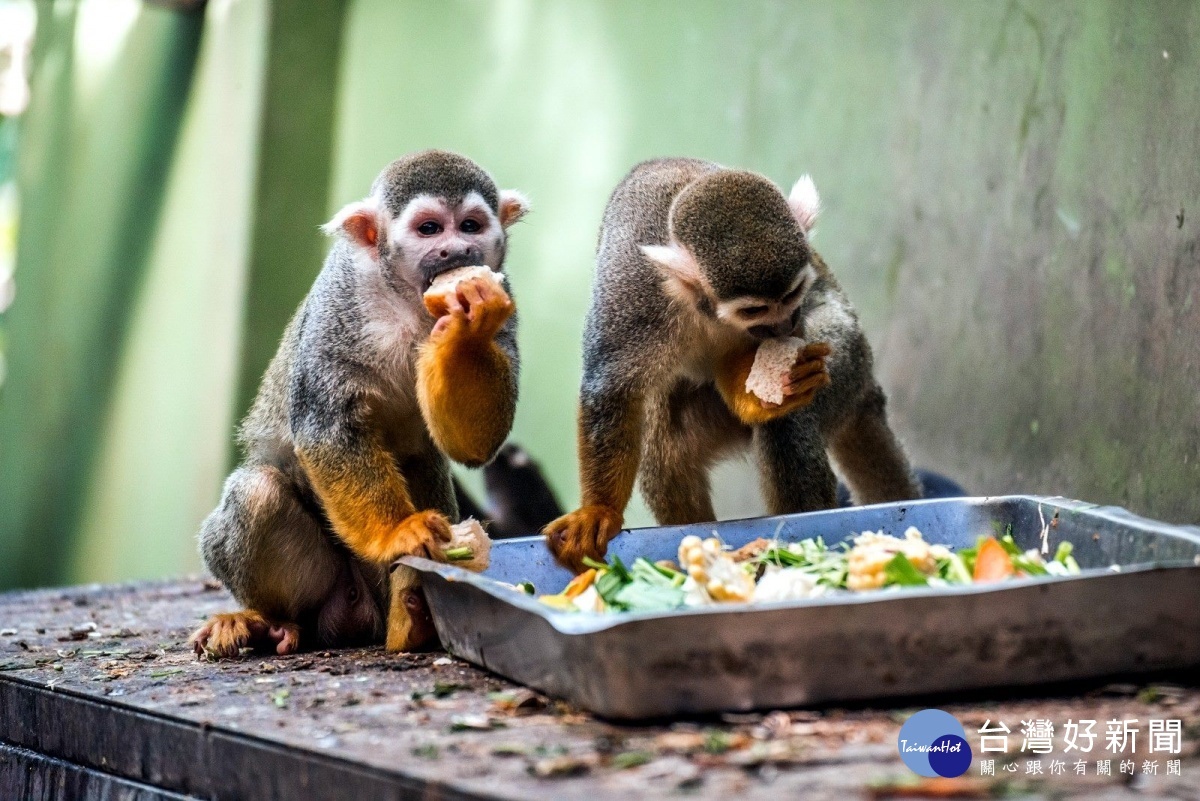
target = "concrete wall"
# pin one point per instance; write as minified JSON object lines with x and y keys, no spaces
{"x":1012,"y":196}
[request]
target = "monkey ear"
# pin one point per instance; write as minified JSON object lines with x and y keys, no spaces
{"x":805,"y":203}
{"x":684,"y":278}
{"x":513,"y":206}
{"x":359,"y":221}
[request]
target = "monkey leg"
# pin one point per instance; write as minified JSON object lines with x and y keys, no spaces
{"x":793,"y":467}
{"x":275,"y":557}
{"x":870,"y":456}
{"x":409,"y":624}
{"x":686,"y":433}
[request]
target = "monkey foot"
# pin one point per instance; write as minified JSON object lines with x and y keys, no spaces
{"x":225,"y":635}
{"x":584,"y":532}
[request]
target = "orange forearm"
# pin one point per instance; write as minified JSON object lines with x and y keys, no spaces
{"x":468,"y":393}
{"x":365,"y":503}
{"x":731,"y":383}
{"x":609,"y":453}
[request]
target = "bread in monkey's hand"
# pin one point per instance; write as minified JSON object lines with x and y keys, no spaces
{"x":437,"y":297}
{"x":773,"y":362}
{"x":410,"y":625}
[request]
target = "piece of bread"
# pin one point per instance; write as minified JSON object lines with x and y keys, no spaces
{"x":470,"y":534}
{"x":437,"y":297}
{"x":772,"y":362}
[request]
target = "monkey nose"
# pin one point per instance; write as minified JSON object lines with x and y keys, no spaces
{"x":782,"y":329}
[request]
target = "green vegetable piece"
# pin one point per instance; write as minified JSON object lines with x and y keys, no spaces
{"x":954,"y":570}
{"x":640,"y":596}
{"x":527,"y":587}
{"x":900,"y":571}
{"x":631,"y":759}
{"x":462,"y":554}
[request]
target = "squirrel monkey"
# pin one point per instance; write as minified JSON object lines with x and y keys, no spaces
{"x":696,"y":265}
{"x":347,"y":444}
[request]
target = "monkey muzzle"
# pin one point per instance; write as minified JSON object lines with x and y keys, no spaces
{"x":443,"y":261}
{"x":792,"y":325}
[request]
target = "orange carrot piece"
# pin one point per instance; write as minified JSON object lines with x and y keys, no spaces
{"x":992,"y":562}
{"x":580,"y":583}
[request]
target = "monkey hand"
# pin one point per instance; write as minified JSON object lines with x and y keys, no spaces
{"x":809,"y":373}
{"x":419,"y":534}
{"x":477,"y":310}
{"x":584,"y":532}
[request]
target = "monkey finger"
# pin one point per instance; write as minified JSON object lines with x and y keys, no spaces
{"x":199,"y":640}
{"x":807,"y":385}
{"x":286,"y":637}
{"x":804,"y":369}
{"x":454,"y":304}
{"x":816,"y":350}
{"x":470,"y":294}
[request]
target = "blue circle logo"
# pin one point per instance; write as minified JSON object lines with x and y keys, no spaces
{"x":933,"y":743}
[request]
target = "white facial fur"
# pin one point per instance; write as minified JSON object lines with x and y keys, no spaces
{"x":747,"y":313}
{"x":429,"y":226}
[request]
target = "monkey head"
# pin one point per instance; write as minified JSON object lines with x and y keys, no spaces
{"x":427,"y":213}
{"x":738,"y":251}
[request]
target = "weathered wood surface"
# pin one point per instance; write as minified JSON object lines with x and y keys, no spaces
{"x":100,"y":695}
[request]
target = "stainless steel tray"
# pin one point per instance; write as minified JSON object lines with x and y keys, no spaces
{"x":884,"y":644}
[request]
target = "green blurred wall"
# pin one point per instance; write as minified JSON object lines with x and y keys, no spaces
{"x":1012,"y":199}
{"x":1001,"y":184}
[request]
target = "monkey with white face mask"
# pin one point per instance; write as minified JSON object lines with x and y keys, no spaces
{"x":697,"y":266}
{"x":371,"y":394}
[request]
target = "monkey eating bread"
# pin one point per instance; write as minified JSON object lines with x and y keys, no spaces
{"x":716,"y":328}
{"x":370,"y":396}
{"x":773,"y":362}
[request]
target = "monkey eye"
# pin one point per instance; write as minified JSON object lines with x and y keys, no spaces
{"x":751,"y":311}
{"x":429,"y":228}
{"x":470,"y":226}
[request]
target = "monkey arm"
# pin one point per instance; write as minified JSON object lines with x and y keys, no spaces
{"x":610,"y":442}
{"x":360,"y":488}
{"x":467,"y":375}
{"x":807,"y":376}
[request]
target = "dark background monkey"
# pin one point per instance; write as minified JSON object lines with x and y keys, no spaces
{"x":696,"y":264}
{"x":347,"y":446}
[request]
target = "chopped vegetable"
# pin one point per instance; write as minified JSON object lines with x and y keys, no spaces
{"x":714,"y":570}
{"x":872,"y":554}
{"x":992,"y":561}
{"x":580,"y":583}
{"x":773,"y":571}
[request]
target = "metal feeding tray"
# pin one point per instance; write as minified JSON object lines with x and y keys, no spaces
{"x":1143,"y":617}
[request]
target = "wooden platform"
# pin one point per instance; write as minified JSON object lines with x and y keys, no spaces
{"x":100,"y":698}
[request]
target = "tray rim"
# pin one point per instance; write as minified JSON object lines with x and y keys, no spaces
{"x":585,"y":623}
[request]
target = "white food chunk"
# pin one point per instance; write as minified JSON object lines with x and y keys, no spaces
{"x":786,"y":584}
{"x":772,"y":362}
{"x":446,"y":284}
{"x":470,"y":534}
